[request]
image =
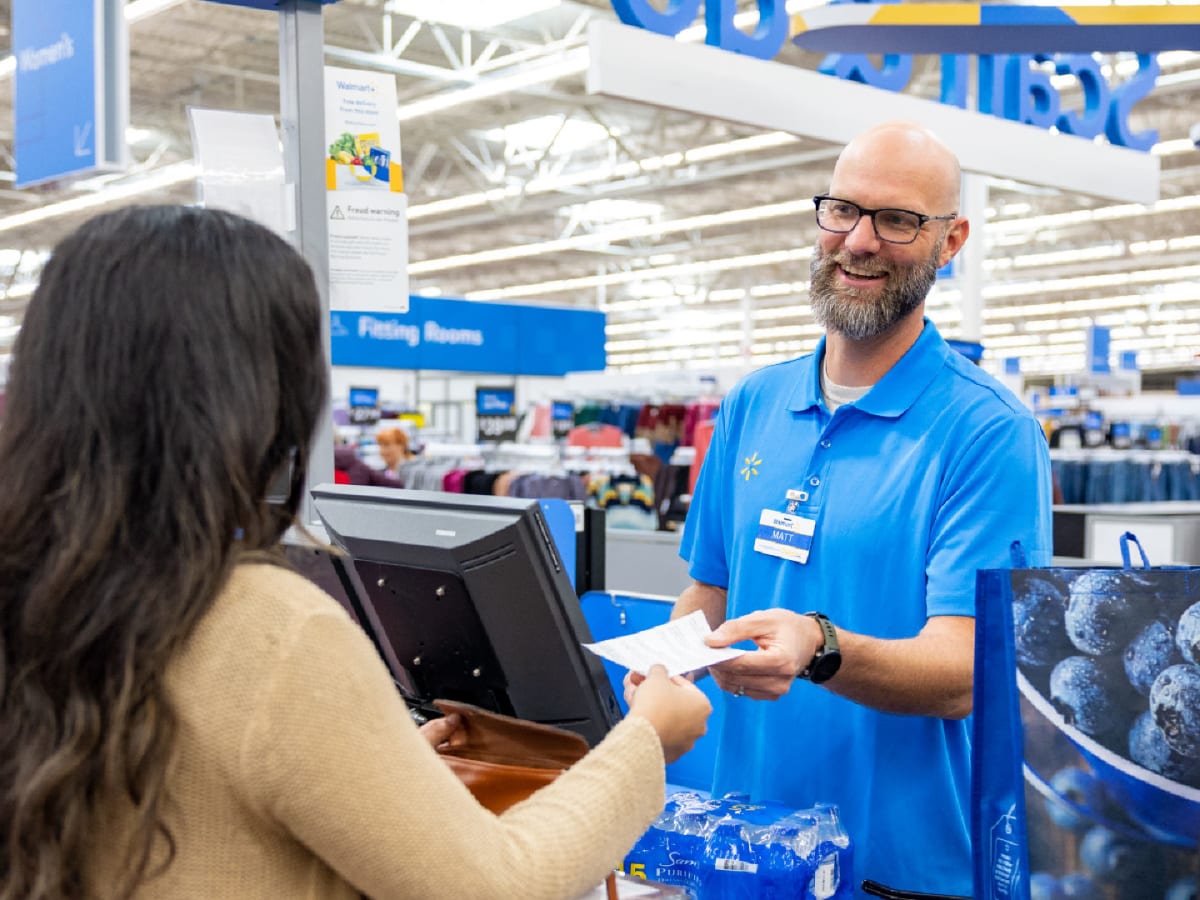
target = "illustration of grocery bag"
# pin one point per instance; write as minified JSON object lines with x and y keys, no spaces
{"x":359,"y":160}
{"x":1086,"y":744}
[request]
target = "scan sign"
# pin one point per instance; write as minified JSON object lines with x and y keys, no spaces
{"x":1013,"y":85}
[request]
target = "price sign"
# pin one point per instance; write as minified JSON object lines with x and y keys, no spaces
{"x":364,"y":405}
{"x":495,"y":414}
{"x":562,"y":417}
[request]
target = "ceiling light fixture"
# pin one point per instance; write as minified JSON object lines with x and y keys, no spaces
{"x":589,"y":177}
{"x":612,"y":235}
{"x":725,"y":264}
{"x":572,"y":62}
{"x":135,"y":11}
{"x":155,"y":180}
{"x":474,"y":15}
{"x":18,"y":290}
{"x":528,"y":141}
{"x":1097,"y":214}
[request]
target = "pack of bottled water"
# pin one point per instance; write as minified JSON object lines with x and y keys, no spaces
{"x":732,"y":849}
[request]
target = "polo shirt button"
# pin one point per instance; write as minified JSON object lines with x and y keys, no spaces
{"x":814,"y":481}
{"x":826,"y":444}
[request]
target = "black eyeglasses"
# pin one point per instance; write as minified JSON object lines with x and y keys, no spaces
{"x":896,"y":226}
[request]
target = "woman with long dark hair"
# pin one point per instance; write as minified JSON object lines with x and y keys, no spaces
{"x":180,"y":715}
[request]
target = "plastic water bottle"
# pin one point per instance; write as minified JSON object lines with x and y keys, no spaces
{"x":649,"y":846}
{"x":729,"y":870}
{"x":833,"y":858}
{"x":788,"y":857}
{"x":782,"y":873}
{"x":683,"y":850}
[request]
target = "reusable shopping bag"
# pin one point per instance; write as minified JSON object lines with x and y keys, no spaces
{"x":1086,"y":731}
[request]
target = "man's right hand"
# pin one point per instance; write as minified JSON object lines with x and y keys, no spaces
{"x":786,"y":642}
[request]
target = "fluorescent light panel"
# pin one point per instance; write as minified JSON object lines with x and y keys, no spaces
{"x":470,"y":14}
{"x":158,"y":179}
{"x":603,"y":238}
{"x":572,"y":62}
{"x":629,"y":169}
{"x":590,"y":281}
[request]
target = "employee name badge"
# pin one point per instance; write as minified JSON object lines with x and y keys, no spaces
{"x":785,"y":535}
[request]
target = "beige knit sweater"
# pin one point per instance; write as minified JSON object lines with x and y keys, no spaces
{"x":301,"y":775}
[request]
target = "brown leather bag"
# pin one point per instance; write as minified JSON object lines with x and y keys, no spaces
{"x":504,"y":760}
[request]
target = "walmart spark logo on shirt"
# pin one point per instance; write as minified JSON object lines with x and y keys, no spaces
{"x":752,"y":463}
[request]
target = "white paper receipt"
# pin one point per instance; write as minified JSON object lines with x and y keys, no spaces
{"x":677,"y":645}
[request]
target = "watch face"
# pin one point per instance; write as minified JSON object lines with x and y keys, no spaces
{"x":825,"y":666}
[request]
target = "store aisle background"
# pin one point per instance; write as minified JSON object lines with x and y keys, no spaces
{"x":692,"y":235}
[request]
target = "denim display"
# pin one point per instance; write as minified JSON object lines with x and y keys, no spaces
{"x":1127,"y":477}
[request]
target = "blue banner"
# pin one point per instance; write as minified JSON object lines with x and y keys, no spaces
{"x":495,"y":401}
{"x":467,"y":336}
{"x":55,"y":96}
{"x":1098,"y":344}
{"x":261,"y":4}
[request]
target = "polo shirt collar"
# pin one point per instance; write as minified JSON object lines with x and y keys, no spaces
{"x":893,"y":394}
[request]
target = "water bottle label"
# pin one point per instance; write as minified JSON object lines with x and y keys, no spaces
{"x":736,"y":865}
{"x":825,"y":879}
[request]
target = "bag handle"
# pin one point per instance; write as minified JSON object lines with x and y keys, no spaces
{"x":1126,"y":539}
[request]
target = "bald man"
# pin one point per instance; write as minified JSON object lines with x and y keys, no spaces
{"x":866,"y":482}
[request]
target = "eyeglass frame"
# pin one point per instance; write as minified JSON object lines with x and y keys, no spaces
{"x":870,"y":213}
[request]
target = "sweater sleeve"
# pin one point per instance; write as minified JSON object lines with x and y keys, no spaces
{"x":331,"y":755}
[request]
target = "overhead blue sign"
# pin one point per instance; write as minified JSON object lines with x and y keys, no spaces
{"x":467,"y":336}
{"x":70,"y":98}
{"x":1015,"y":42}
{"x":1099,"y":341}
{"x":495,"y":401}
{"x":272,"y":5}
{"x":993,"y":28}
{"x":368,"y":397}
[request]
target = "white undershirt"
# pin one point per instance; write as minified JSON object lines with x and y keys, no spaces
{"x":836,"y":395}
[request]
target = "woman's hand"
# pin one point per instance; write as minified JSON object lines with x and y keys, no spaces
{"x":441,"y":732}
{"x":676,"y":708}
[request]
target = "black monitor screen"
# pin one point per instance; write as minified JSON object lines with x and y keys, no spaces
{"x":468,"y":600}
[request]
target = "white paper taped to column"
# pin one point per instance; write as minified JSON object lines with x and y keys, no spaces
{"x":677,"y":645}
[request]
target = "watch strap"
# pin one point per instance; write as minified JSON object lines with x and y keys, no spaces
{"x":829,"y":647}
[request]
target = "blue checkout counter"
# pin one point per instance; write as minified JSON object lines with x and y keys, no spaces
{"x":611,"y":615}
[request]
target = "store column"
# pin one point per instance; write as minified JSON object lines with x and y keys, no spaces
{"x":970,"y":259}
{"x":302,"y":120}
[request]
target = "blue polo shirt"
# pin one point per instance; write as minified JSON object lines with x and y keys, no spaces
{"x":928,"y":477}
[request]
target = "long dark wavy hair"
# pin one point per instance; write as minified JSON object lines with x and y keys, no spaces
{"x":169,"y":370}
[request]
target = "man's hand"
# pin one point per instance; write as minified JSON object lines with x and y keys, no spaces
{"x":786,"y":644}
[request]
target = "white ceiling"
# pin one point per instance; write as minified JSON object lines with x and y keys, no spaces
{"x":693,"y":234}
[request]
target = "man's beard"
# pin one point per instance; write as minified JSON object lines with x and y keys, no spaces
{"x":848,"y":310}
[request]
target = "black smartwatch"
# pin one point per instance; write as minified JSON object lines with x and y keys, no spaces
{"x":828,"y":658}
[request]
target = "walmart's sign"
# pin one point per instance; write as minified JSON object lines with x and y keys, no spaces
{"x":463,"y":336}
{"x":1013,"y":86}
